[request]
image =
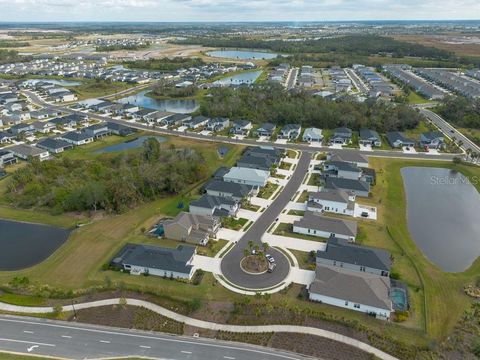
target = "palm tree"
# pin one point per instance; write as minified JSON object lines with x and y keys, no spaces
{"x":250,"y":244}
{"x":265,"y":246}
{"x":246,"y":252}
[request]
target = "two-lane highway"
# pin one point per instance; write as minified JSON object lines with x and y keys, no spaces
{"x":80,"y":341}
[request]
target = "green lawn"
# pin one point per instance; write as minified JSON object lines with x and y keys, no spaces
{"x":267,"y":191}
{"x":415,"y":98}
{"x":90,"y":88}
{"x":314,"y":180}
{"x":232,"y":223}
{"x":285,"y":165}
{"x":305,"y":259}
{"x":8,"y":356}
{"x":303,"y":197}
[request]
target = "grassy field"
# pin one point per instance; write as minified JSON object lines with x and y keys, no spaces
{"x":414,"y":98}
{"x":97,"y":88}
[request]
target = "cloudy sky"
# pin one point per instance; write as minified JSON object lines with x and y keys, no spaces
{"x":235,"y":10}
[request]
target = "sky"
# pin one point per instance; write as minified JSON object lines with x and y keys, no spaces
{"x":236,"y":10}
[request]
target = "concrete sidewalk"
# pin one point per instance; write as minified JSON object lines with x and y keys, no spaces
{"x":207,"y":325}
{"x":293,"y":243}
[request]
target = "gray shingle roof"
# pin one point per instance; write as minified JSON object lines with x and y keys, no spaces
{"x":343,"y":251}
{"x":51,"y":143}
{"x":156,"y":257}
{"x":346,"y":184}
{"x":315,"y":221}
{"x":211,"y":202}
{"x":357,"y":287}
{"x":236,"y":190}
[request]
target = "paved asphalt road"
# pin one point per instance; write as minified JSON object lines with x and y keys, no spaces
{"x":80,"y":341}
{"x":448,"y":129}
{"x":292,"y":79}
{"x":231,"y":262}
{"x":302,"y":147}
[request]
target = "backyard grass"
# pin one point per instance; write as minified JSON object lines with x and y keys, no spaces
{"x":267,"y":191}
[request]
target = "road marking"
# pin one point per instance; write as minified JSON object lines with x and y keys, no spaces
{"x":66,"y":336}
{"x":31,"y":348}
{"x":229,"y":357}
{"x":186,"y":352}
{"x":169,"y":339}
{"x":145,"y":347}
{"x":28,"y":332}
{"x":105,"y":341}
{"x":27,"y":342}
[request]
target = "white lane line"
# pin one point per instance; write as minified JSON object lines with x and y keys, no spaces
{"x":145,"y":347}
{"x":186,"y":352}
{"x":27,"y":342}
{"x":28,"y":332}
{"x":150,"y":337}
{"x":105,"y":341}
{"x":66,"y":336}
{"x":229,"y":357}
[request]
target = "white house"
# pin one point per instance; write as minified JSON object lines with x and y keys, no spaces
{"x":314,"y":224}
{"x":334,"y":201}
{"x":358,"y":291}
{"x":313,"y":135}
{"x":247,"y":176}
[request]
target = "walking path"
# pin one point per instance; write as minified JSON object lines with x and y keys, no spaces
{"x":207,"y":325}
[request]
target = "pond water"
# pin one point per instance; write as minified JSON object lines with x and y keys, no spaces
{"x":242,"y":54}
{"x":54,"y":81}
{"x":242,"y":78}
{"x":24,"y":245}
{"x":443,"y":210}
{"x":183,"y":106}
{"x":132,"y":144}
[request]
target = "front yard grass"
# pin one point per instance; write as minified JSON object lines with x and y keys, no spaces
{"x":305,"y":259}
{"x":303,"y":197}
{"x":285,"y":166}
{"x":314,"y":179}
{"x":233,"y":223}
{"x":250,"y":206}
{"x":296,"y":212}
{"x":267,"y":191}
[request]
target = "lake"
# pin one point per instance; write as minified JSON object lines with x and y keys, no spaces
{"x":242,"y":78}
{"x":24,"y":245}
{"x":132,"y":144}
{"x":443,"y":216}
{"x":242,"y":54}
{"x":183,"y":106}
{"x":54,"y":81}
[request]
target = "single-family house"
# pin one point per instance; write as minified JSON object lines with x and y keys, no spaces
{"x":64,"y":96}
{"x":357,"y":187}
{"x":313,"y":135}
{"x":218,"y":124}
{"x":246,"y":176}
{"x":7,"y":158}
{"x":196,"y":122}
{"x":315,"y":224}
{"x":273,"y":154}
{"x":228,"y":189}
{"x":369,"y":137}
{"x":397,"y":140}
{"x":43,"y":127}
{"x":24,"y":152}
{"x":358,"y":291}
{"x":97,"y":130}
{"x":209,"y":205}
{"x":6,"y":137}
{"x":175,"y":119}
{"x":266,"y":129}
{"x":255,"y":162}
{"x":350,"y":156}
{"x":432,"y":139}
{"x":20,"y":115}
{"x":334,"y":201}
{"x":21,"y":128}
{"x":158,"y":261}
{"x":77,"y":138}
{"x":44,"y":114}
{"x":71,"y":120}
{"x":290,"y":131}
{"x":341,"y":136}
{"x":341,"y":169}
{"x":241,"y":127}
{"x":194,"y":229}
{"x":119,"y":129}
{"x":354,"y":257}
{"x":54,"y":145}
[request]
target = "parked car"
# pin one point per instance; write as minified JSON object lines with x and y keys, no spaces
{"x":271,"y":267}
{"x":364,"y":214}
{"x":270,"y":258}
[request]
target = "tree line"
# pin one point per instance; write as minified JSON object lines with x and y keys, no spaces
{"x":269,"y":102}
{"x":117,"y":47}
{"x":165,"y":64}
{"x":112,"y":183}
{"x":462,"y":112}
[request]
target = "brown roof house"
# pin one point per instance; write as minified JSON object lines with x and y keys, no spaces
{"x":193,"y":229}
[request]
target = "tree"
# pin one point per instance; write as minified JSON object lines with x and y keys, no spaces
{"x":265,"y":246}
